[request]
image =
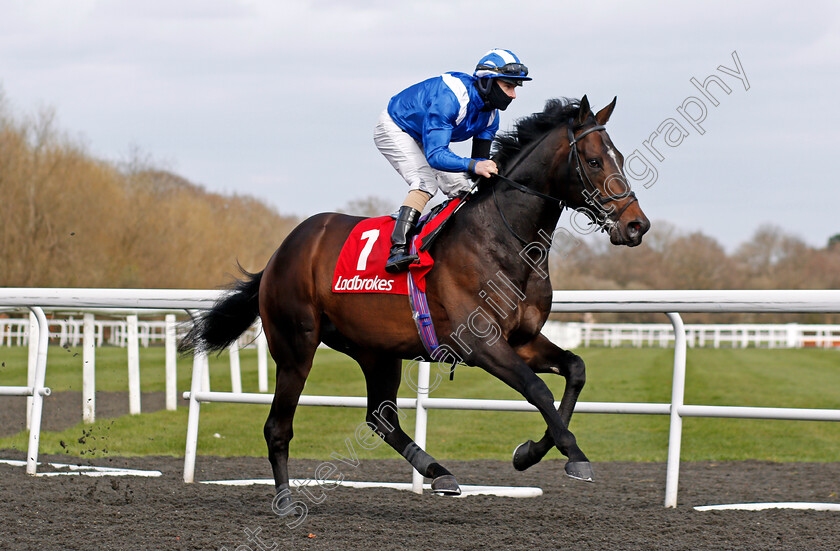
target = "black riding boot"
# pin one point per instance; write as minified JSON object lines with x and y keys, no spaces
{"x":401,"y":241}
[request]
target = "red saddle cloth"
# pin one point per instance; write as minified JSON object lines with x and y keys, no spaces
{"x":361,"y":264}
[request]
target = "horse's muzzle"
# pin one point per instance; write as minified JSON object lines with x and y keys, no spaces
{"x":629,"y":233}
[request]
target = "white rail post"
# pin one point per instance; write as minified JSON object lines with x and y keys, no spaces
{"x":792,"y":336}
{"x":171,"y":364}
{"x":262,"y":358}
{"x":34,"y":338}
{"x":420,"y":422}
{"x":205,"y":373}
{"x":235,"y":371}
{"x":89,"y":370}
{"x":672,"y":476}
{"x":199,"y":365}
{"x":38,"y":390}
{"x":144,"y":332}
{"x":133,"y":365}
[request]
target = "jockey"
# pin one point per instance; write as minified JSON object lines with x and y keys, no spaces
{"x":415,"y":131}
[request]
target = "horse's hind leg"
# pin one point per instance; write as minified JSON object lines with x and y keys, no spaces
{"x":292,"y":346}
{"x":382,"y":376}
{"x":543,"y":356}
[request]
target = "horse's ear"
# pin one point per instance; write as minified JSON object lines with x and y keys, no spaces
{"x":583,"y":112}
{"x":604,"y":114}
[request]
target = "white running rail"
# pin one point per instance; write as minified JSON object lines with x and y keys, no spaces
{"x":668,"y":302}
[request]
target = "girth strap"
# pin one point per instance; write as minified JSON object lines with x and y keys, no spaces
{"x":422,"y":316}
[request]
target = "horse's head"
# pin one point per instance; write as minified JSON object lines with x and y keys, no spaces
{"x":595,"y":180}
{"x":564,"y":155}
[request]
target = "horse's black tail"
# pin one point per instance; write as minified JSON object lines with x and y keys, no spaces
{"x":217,"y":328}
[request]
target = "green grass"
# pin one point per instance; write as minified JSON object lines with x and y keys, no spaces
{"x":64,"y":369}
{"x":752,"y":377}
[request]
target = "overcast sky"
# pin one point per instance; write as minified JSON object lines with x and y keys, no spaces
{"x":278,"y":99}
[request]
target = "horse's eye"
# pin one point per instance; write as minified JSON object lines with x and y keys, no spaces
{"x":593,"y":163}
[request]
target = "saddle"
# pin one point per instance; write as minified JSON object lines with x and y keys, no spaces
{"x":361,"y":263}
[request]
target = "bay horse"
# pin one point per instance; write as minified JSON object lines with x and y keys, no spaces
{"x":560,"y":156}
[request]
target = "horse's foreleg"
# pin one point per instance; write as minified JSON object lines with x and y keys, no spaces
{"x":382,"y":375}
{"x":543,"y":356}
{"x":505,"y":364}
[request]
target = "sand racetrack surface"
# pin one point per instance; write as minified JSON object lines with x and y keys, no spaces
{"x":623,"y":509}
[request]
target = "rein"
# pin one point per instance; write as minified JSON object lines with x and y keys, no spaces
{"x":590,"y":189}
{"x":525,"y":189}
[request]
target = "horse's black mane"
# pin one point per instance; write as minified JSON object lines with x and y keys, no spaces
{"x":557,"y":112}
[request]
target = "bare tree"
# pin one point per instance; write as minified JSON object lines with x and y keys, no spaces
{"x":770,"y":256}
{"x":369,"y":206}
{"x":71,"y":220}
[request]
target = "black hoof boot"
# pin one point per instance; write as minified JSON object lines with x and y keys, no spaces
{"x":446,"y":485}
{"x":282,"y":503}
{"x":579,"y":470}
{"x":522,"y":458}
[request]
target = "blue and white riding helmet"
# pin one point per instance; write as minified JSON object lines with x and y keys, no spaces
{"x":501,"y":64}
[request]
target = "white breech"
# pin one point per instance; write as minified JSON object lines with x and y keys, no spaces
{"x":406,"y":155}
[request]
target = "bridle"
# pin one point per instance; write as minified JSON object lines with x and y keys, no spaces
{"x":590,"y":191}
{"x":584,"y":178}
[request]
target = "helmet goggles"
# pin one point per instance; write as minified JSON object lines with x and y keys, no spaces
{"x":514,"y":73}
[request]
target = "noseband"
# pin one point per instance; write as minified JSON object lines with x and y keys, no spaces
{"x":590,"y":190}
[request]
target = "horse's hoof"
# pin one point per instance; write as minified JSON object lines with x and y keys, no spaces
{"x":579,"y":470}
{"x":282,"y":503}
{"x":522,"y":456}
{"x":446,"y":485}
